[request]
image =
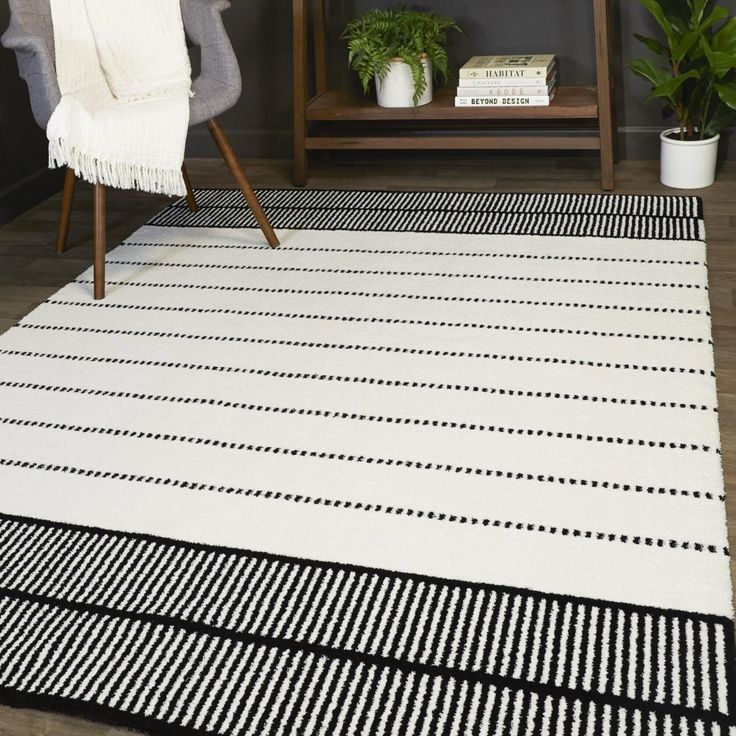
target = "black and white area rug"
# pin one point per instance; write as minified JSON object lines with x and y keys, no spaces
{"x":442,"y":464}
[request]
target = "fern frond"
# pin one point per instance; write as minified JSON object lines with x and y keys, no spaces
{"x":378,"y":36}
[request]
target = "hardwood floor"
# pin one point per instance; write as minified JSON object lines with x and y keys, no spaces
{"x":31,"y":271}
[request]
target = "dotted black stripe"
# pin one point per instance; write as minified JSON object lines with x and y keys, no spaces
{"x":429,"y":274}
{"x":370,"y":348}
{"x":371,"y":508}
{"x":366,"y":459}
{"x":375,"y":320}
{"x":454,"y":254}
{"x":353,"y":416}
{"x":365,"y":380}
{"x":416,"y":297}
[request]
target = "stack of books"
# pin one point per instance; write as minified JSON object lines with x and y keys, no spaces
{"x":507,"y":81}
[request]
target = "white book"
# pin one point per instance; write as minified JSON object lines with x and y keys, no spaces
{"x":535,"y":66}
{"x":499,"y":101}
{"x":505,"y":91}
{"x":483,"y":83}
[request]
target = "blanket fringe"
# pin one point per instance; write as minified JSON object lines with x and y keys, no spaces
{"x":117,"y":174}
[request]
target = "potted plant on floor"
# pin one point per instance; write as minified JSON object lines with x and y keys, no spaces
{"x":696,"y":83}
{"x":401,"y":51}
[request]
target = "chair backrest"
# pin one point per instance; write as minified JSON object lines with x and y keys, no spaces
{"x":31,"y":36}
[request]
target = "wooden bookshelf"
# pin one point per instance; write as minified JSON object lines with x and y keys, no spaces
{"x":578,"y":118}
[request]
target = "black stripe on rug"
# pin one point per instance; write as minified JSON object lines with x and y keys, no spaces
{"x":243,"y":633}
{"x":560,"y":215}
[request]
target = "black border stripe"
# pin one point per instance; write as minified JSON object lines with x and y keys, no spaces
{"x":612,"y":216}
{"x":627,"y":607}
{"x":377,"y":661}
{"x":528,"y":225}
{"x":509,"y":202}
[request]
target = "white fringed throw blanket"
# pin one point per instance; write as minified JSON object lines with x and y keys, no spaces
{"x":125,"y":81}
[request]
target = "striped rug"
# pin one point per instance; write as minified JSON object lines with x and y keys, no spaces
{"x":442,"y":464}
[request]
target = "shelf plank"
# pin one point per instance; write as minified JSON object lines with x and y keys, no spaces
{"x":347,"y":105}
{"x":456,"y":143}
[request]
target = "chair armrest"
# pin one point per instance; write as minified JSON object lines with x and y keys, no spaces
{"x":35,"y":55}
{"x":204,"y":27}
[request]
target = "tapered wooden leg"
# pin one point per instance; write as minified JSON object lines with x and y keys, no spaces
{"x":226,"y":150}
{"x":99,"y":241}
{"x":191,"y":200}
{"x":67,"y":200}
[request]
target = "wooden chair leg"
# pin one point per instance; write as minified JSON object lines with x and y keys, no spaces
{"x":191,"y":199}
{"x":99,"y":241}
{"x":67,"y":200}
{"x":226,"y":150}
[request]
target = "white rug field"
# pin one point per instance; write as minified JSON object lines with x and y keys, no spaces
{"x":441,"y":464}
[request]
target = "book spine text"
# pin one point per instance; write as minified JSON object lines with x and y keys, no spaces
{"x":500,"y":101}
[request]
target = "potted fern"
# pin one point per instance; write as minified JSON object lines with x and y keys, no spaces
{"x":697,"y":83}
{"x":402,"y":51}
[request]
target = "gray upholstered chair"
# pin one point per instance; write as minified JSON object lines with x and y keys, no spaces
{"x":217,"y":89}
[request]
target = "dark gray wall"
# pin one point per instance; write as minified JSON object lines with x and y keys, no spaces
{"x":24,"y":176}
{"x":260,"y":125}
{"x":261,"y":32}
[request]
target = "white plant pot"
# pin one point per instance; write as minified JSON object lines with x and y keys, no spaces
{"x":397,"y":89}
{"x":688,"y":164}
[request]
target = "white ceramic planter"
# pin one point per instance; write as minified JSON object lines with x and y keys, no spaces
{"x":397,"y":89}
{"x":688,"y":164}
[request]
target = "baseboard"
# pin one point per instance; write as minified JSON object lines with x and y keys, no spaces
{"x":28,"y":192}
{"x":642,"y":143}
{"x":248,"y":143}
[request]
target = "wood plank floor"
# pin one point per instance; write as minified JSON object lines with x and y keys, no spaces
{"x":30,"y":270}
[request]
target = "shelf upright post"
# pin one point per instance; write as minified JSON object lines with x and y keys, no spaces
{"x":320,"y":45}
{"x":604,"y":81}
{"x":301,"y":87}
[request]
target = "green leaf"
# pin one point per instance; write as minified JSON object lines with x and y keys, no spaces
{"x":698,"y":9}
{"x":683,"y":47}
{"x":669,"y":88}
{"x":724,"y":39}
{"x":676,"y":12}
{"x":721,"y":63}
{"x":717,"y":14}
{"x":723,"y":118}
{"x":657,"y":12}
{"x":653,"y":44}
{"x":727,"y":93}
{"x":647,"y":70}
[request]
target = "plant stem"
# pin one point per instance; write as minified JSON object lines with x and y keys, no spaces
{"x":706,"y":113}
{"x":679,"y":105}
